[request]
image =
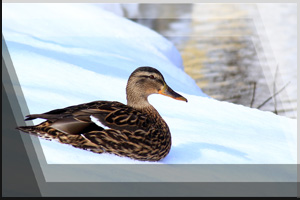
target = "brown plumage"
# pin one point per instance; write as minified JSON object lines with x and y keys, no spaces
{"x":135,"y":130}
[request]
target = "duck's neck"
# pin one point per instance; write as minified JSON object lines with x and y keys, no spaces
{"x":141,"y":103}
{"x":138,"y":102}
{"x":136,"y":98}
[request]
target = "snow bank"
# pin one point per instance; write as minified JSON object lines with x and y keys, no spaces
{"x":93,"y":39}
{"x":206,"y":131}
{"x":66,"y":54}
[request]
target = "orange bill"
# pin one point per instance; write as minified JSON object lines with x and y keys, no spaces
{"x":167,"y":91}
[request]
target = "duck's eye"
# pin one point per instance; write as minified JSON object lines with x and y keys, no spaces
{"x":151,"y":76}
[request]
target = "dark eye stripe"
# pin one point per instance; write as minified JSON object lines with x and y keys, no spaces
{"x":160,"y":81}
{"x":151,"y":76}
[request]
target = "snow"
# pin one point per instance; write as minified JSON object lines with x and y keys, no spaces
{"x":83,"y":53}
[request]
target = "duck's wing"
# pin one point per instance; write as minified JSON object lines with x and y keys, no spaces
{"x":94,"y":116}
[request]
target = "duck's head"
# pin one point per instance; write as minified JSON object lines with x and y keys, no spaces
{"x":145,"y":81}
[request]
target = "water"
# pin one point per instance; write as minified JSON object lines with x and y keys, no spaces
{"x":241,"y":53}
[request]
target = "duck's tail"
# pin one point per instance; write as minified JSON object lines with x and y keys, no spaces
{"x":27,"y":129}
{"x":44,"y":131}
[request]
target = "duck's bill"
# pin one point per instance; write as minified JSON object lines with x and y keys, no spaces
{"x":167,"y":91}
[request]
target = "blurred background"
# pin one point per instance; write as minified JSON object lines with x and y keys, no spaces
{"x":241,"y":53}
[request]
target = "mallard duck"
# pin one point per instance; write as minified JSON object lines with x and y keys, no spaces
{"x":135,"y":130}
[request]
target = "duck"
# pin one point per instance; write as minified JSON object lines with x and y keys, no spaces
{"x":135,"y":130}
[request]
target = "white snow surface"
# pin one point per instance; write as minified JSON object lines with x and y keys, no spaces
{"x":67,"y":54}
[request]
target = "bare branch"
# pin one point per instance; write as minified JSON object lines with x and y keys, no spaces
{"x":274,"y":89}
{"x":266,"y":101}
{"x":253,"y":94}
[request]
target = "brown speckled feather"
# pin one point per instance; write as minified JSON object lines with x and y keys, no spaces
{"x":141,"y":135}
